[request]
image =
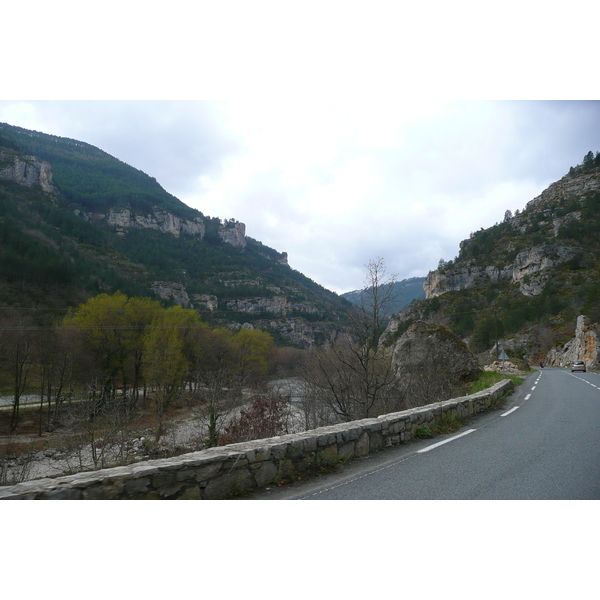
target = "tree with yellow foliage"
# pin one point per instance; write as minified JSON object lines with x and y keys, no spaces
{"x":103,"y":323}
{"x":170,"y":349}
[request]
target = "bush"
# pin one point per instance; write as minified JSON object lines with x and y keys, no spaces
{"x":266,"y":417}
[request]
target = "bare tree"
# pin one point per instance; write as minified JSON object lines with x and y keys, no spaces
{"x":15,"y":464}
{"x":219,"y":388}
{"x":101,"y":430}
{"x":354,"y":378}
{"x":55,"y":353}
{"x":368,"y":322}
{"x":16,"y":348}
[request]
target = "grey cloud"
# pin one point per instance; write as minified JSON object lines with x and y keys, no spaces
{"x":433,"y":180}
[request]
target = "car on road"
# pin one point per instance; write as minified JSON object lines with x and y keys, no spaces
{"x":578,"y":365}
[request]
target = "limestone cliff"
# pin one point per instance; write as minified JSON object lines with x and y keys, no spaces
{"x":279,"y":305}
{"x":585,"y":346}
{"x":27,"y":171}
{"x":523,"y":249}
{"x":529,"y":270}
{"x":172,"y":291}
{"x":233,"y":233}
{"x":123,"y":219}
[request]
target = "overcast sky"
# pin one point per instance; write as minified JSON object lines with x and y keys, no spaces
{"x":336,"y":184}
{"x":336,"y":133}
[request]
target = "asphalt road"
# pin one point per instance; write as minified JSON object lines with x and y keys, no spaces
{"x":544,"y":444}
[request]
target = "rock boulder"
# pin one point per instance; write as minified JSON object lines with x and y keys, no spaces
{"x":429,"y":347}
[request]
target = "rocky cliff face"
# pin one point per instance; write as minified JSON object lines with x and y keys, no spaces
{"x":233,"y":234}
{"x":292,"y":329}
{"x":277,"y":305}
{"x":561,"y":190}
{"x":27,"y":171}
{"x":529,"y":270}
{"x":172,"y":291}
{"x":585,"y":346}
{"x":527,"y":267}
{"x":123,"y":219}
{"x":300,"y":333}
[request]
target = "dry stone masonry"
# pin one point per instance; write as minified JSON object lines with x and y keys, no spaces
{"x":225,"y":471}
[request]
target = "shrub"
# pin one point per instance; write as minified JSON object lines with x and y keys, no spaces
{"x":266,"y":417}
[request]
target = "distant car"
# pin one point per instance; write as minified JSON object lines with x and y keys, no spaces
{"x":578,"y":365}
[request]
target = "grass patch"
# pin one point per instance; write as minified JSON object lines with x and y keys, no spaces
{"x":423,"y":433}
{"x":448,"y":424}
{"x":488,"y":379}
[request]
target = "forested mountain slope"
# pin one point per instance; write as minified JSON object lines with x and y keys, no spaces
{"x":403,"y":293}
{"x":524,"y":281}
{"x":75,"y":222}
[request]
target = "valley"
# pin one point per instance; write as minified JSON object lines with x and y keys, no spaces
{"x":144,"y":328}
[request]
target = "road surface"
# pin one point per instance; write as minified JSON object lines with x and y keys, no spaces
{"x":543,"y":444}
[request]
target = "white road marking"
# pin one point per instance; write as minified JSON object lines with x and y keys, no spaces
{"x":446,"y":441}
{"x":510,"y":411}
{"x":528,"y":396}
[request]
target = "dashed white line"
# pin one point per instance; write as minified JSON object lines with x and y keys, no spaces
{"x":528,"y":396}
{"x":510,"y":411}
{"x":446,"y":441}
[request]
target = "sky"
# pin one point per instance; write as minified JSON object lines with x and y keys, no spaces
{"x":336,"y":184}
{"x":337,"y":133}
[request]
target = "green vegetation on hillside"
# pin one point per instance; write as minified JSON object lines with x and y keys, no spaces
{"x":92,"y":179}
{"x":59,"y":250}
{"x":567,"y":231}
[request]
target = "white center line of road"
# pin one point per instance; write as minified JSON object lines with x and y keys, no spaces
{"x":533,"y":388}
{"x":528,"y":396}
{"x":510,"y":411}
{"x":446,"y":441}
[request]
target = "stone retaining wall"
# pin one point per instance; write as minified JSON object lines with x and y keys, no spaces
{"x":224,"y":471}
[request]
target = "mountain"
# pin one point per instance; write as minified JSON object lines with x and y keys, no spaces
{"x":75,"y":222}
{"x":522,"y":282}
{"x":403,"y":292}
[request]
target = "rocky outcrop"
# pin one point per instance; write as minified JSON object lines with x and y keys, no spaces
{"x":277,"y":305}
{"x":503,"y":366}
{"x":300,"y":333}
{"x":233,"y":233}
{"x":564,"y":189}
{"x":530,"y":270}
{"x":557,"y":206}
{"x":172,"y":291}
{"x":123,"y":219}
{"x":27,"y":171}
{"x":205,"y":302}
{"x":230,"y":232}
{"x":427,"y":347}
{"x":585,"y":346}
{"x":440,"y":282}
